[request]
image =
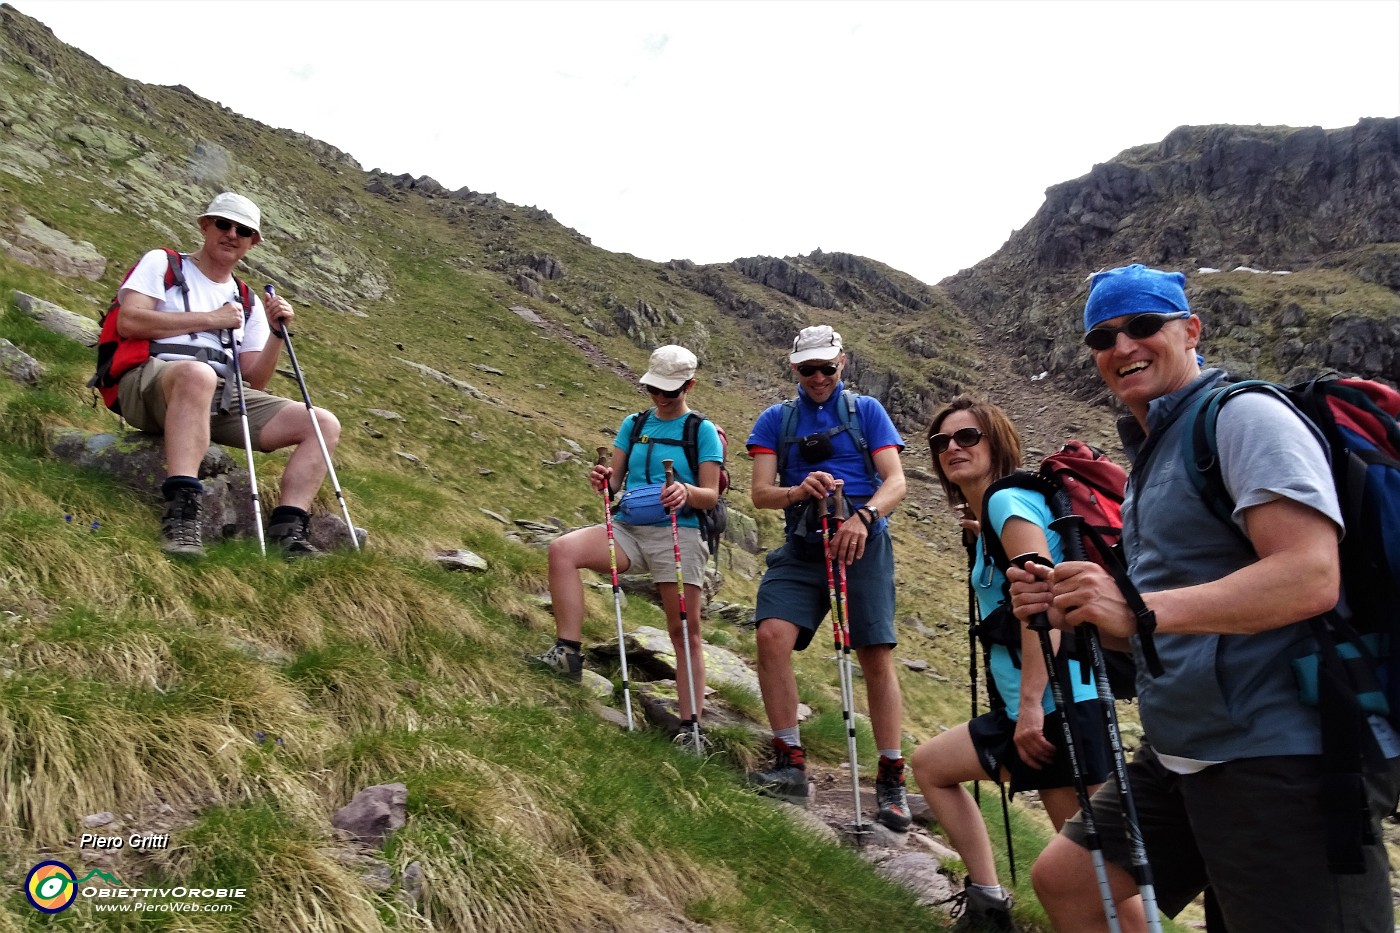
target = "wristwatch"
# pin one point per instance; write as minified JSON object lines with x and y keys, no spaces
{"x":874,"y":513}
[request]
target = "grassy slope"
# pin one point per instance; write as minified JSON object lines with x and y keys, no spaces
{"x":251,"y":699}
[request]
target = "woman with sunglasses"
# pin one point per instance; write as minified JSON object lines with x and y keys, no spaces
{"x":644,"y":540}
{"x":973,"y":445}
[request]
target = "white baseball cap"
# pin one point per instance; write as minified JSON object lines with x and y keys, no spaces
{"x":669,"y":368}
{"x":237,"y":208}
{"x":816,"y":343}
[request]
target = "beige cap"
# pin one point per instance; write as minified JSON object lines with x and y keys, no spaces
{"x":237,"y":208}
{"x":816,"y":343}
{"x":669,"y":368}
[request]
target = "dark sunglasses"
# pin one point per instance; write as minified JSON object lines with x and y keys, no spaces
{"x":666,"y":393}
{"x":826,"y":369}
{"x":224,"y":224}
{"x":966,"y":437}
{"x":1138,"y":327}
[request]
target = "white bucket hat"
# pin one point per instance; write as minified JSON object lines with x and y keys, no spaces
{"x":669,"y":368}
{"x":816,"y":343}
{"x":237,"y":208}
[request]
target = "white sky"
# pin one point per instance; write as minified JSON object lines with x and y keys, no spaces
{"x":916,"y":133}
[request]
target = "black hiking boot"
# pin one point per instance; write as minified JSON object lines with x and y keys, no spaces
{"x":786,"y":779}
{"x":983,"y":913}
{"x":563,"y":660}
{"x":179,"y":526}
{"x":289,"y":536}
{"x":890,"y":798}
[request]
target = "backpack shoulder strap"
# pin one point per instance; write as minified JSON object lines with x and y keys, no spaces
{"x":174,"y":273}
{"x":850,"y":418}
{"x":1203,"y":445}
{"x":786,"y":436}
{"x":245,"y":295}
{"x":991,"y":542}
{"x":690,"y":442}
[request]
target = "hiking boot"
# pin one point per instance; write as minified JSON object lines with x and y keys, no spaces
{"x":289,"y":536}
{"x":890,"y":797}
{"x":983,"y":913}
{"x":786,"y":779}
{"x":685,"y":740}
{"x":179,"y":526}
{"x":564,"y":660}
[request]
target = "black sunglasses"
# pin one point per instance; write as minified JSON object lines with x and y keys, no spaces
{"x":826,"y":369}
{"x":667,"y":393}
{"x":1138,"y":327}
{"x":224,"y":224}
{"x":966,"y":437}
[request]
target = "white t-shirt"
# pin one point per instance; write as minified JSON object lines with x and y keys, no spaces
{"x":148,"y":278}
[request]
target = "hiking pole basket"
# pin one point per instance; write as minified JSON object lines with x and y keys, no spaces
{"x":1070,"y":733}
{"x":669,"y":467}
{"x":286,"y":335}
{"x":617,"y":593}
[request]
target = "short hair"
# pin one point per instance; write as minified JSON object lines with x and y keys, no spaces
{"x":998,"y":432}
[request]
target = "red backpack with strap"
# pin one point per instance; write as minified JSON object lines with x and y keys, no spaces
{"x":118,"y":355}
{"x":1077,"y":481}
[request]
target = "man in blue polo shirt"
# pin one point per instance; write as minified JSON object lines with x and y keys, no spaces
{"x":819,"y":449}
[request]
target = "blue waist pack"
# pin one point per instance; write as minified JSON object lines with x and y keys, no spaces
{"x":641,"y":505}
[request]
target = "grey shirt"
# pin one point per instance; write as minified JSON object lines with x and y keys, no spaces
{"x":1220,"y":697}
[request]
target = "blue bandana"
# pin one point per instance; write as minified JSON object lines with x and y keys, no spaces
{"x":1134,"y":289}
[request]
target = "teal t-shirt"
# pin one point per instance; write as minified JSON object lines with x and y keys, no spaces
{"x":644,"y":459}
{"x":990,"y":583}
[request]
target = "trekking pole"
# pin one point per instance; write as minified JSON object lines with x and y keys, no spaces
{"x":617,"y":595}
{"x":286,"y":336}
{"x":848,"y":697}
{"x":970,"y":545}
{"x":1070,"y":732}
{"x":247,"y":438}
{"x":1072,"y":538}
{"x":669,"y":467}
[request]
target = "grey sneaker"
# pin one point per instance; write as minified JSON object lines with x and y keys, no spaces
{"x":289,"y":536}
{"x":890,"y":796}
{"x":564,"y":660}
{"x":983,"y":913}
{"x":787,"y":778}
{"x":179,"y":526}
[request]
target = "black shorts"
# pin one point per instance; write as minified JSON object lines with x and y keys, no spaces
{"x":994,"y":738}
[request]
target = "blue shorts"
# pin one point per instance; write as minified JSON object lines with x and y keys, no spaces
{"x":794,"y":589}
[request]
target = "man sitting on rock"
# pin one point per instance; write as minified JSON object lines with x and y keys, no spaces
{"x":180,"y":390}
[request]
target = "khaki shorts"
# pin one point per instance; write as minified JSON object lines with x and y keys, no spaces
{"x":143,"y":406}
{"x":651,"y":550}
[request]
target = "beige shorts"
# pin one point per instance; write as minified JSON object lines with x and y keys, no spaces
{"x":651,"y":550}
{"x":143,"y":406}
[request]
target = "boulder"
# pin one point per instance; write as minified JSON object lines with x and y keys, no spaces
{"x":59,"y":320}
{"x":374,"y":813}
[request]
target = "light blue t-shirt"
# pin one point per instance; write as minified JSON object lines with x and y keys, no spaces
{"x":989,"y":583}
{"x":644,"y":459}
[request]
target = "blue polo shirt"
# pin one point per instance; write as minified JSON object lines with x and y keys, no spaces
{"x":846,"y":462}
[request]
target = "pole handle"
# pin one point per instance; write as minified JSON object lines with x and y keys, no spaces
{"x":284,"y":333}
{"x":840,"y":500}
{"x":670,"y":467}
{"x":1040,"y":622}
{"x":602,"y":456}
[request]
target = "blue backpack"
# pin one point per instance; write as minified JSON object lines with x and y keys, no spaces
{"x":1356,"y":672}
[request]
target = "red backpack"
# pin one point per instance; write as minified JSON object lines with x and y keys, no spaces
{"x":118,"y":355}
{"x":1084,"y":487}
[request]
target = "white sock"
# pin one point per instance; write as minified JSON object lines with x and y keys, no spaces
{"x":996,"y":891}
